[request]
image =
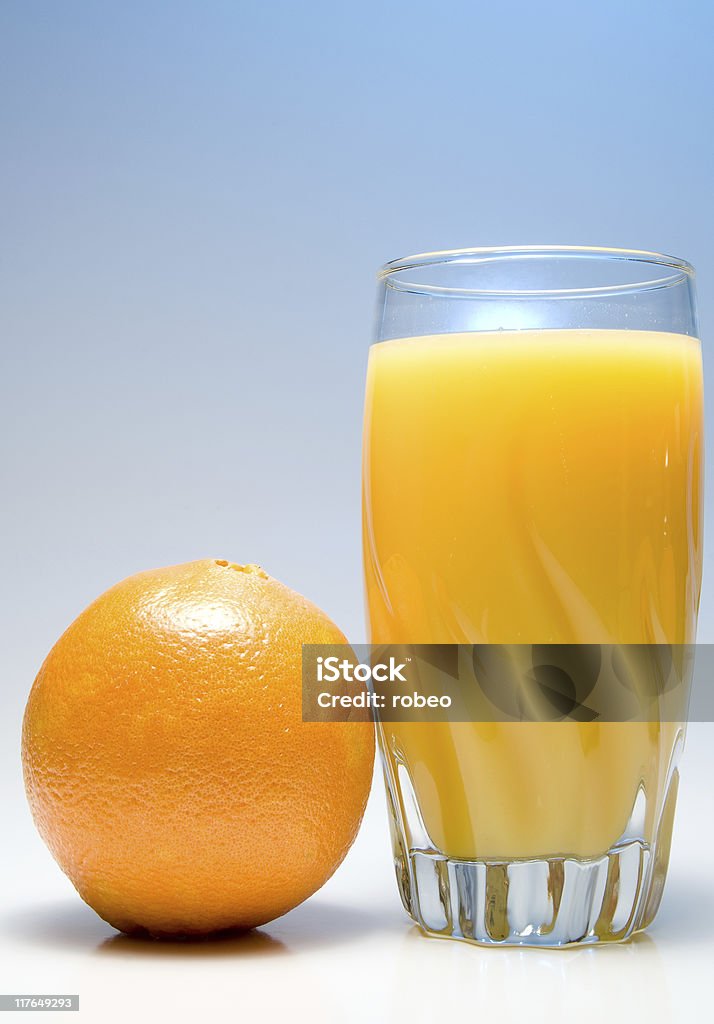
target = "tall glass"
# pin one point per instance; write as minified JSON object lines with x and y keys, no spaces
{"x":532,"y":475}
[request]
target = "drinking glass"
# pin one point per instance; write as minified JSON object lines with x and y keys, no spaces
{"x":532,"y":476}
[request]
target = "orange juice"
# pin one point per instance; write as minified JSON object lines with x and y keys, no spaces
{"x":538,"y":486}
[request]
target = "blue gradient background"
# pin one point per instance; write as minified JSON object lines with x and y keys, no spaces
{"x":195,"y":197}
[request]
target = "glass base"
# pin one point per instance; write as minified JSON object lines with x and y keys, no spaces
{"x":555,"y":902}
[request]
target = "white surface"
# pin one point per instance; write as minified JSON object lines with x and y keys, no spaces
{"x":351,"y":954}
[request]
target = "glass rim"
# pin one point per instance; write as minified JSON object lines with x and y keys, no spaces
{"x":389,"y":273}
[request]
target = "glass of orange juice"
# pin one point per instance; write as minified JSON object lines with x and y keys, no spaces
{"x":532,"y":475}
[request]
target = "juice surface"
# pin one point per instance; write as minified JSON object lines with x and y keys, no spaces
{"x":533,"y":487}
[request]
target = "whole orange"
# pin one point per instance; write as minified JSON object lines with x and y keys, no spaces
{"x":166,"y":762}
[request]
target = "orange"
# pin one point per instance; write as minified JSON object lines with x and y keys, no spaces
{"x":166,"y":762}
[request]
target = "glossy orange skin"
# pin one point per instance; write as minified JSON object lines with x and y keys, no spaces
{"x":166,"y":762}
